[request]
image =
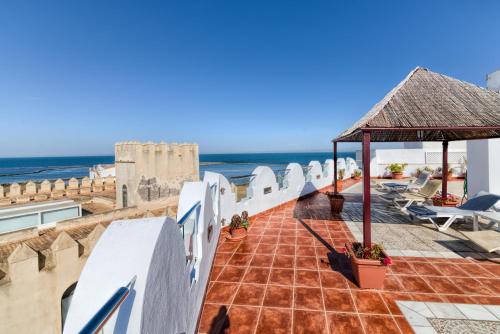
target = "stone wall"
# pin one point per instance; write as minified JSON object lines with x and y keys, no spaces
{"x":16,"y":193}
{"x":36,"y":274}
{"x":148,"y":172}
{"x":38,"y":265}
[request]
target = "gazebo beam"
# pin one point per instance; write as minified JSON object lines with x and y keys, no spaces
{"x":444,"y":174}
{"x":335,"y":167}
{"x":367,"y":230}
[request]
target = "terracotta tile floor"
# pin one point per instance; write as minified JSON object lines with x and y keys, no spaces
{"x":290,"y":276}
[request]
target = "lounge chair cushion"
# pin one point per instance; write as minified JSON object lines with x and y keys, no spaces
{"x":438,"y":211}
{"x":482,"y":201}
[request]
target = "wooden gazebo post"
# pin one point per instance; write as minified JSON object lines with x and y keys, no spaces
{"x":335,"y":168}
{"x":444,"y":174}
{"x":367,"y":229}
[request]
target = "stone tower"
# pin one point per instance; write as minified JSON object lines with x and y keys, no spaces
{"x":149,"y":172}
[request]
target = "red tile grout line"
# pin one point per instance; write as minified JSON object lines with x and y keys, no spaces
{"x":230,"y":304}
{"x":267,"y":284}
{"x":321,"y":287}
{"x":354,"y":302}
{"x":317,"y":247}
{"x":423,"y":278}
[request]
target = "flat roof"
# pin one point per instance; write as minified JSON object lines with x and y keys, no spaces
{"x":36,"y":207}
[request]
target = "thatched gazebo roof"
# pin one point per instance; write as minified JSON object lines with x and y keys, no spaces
{"x":428,"y":106}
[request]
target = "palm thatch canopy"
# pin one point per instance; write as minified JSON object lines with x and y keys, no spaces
{"x":428,"y":106}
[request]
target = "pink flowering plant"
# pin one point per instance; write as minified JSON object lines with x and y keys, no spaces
{"x":375,"y":252}
{"x":449,"y":199}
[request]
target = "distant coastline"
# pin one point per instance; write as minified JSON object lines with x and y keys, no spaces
{"x":230,"y":164}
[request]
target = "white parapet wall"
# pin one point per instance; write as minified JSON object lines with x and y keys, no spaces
{"x":430,"y":157}
{"x":265,"y":193}
{"x":172,"y":259}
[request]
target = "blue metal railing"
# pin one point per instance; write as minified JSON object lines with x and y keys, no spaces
{"x":307,"y":175}
{"x":97,"y":322}
{"x":281,"y":178}
{"x":183,"y":219}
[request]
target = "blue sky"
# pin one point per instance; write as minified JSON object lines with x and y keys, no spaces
{"x":233,"y":76}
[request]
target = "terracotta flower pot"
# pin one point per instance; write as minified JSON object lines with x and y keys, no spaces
{"x":448,"y":203}
{"x":369,"y":274}
{"x":237,"y":234}
{"x":336,"y":202}
{"x":397,"y":175}
{"x":357,"y":178}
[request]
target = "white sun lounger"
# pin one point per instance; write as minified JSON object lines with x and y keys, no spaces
{"x":405,"y":199}
{"x":480,"y":202}
{"x":420,"y":182}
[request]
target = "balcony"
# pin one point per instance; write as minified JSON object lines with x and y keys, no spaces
{"x":291,"y":273}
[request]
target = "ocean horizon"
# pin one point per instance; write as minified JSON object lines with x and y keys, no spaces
{"x":23,"y":169}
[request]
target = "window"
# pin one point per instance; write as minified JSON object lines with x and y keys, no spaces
{"x":124,"y":196}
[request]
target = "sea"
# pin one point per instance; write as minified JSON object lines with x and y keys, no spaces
{"x":230,"y":165}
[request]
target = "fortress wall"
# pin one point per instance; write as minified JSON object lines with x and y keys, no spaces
{"x":34,"y":277}
{"x":16,"y":193}
{"x":152,"y":172}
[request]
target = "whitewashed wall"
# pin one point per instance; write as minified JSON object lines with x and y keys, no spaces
{"x":483,"y":160}
{"x":415,"y":158}
{"x":168,"y":294}
{"x":264,"y":193}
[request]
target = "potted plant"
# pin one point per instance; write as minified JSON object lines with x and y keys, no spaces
{"x":357,"y":174}
{"x":449,"y":200}
{"x":450,"y":174}
{"x":336,"y":202}
{"x":369,"y":264}
{"x":340,"y":179}
{"x":397,"y":170}
{"x":439,"y":173}
{"x":238,"y":227}
{"x":425,"y":169}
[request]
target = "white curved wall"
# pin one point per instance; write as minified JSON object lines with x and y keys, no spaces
{"x":168,"y":293}
{"x":126,"y":249}
{"x":265,"y":194}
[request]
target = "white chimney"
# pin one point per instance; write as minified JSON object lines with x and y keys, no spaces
{"x":483,"y":160}
{"x":493,"y":81}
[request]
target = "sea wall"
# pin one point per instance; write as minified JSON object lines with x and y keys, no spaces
{"x":16,"y":193}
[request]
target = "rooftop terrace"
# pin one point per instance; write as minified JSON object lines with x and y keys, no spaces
{"x":291,"y":275}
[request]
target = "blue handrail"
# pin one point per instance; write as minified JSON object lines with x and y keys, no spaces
{"x":97,"y":322}
{"x":188,"y":213}
{"x":191,"y":210}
